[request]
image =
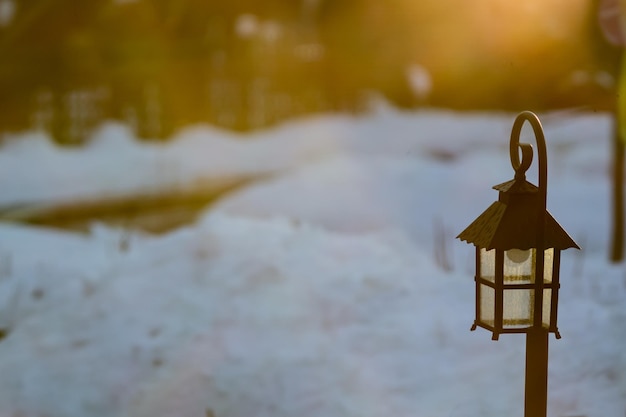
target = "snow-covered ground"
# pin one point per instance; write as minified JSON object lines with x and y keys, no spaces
{"x":316,"y":291}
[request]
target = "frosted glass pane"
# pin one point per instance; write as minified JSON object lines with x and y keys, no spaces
{"x":488,"y":264}
{"x":517,"y":311}
{"x":487,"y":304}
{"x":519,"y":266}
{"x":547,"y":266}
{"x":547,"y":299}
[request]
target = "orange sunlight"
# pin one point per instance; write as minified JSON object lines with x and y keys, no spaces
{"x":518,"y":26}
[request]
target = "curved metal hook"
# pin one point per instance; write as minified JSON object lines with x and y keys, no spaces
{"x":527,"y":159}
{"x":515,"y":146}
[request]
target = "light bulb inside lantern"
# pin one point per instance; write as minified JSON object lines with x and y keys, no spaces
{"x":517,"y":255}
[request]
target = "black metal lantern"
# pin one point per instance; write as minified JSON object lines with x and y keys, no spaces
{"x":518,"y":246}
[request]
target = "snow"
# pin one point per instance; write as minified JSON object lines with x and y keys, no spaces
{"x":315,"y":290}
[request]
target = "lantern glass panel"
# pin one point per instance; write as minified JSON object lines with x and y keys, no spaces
{"x":487,"y":305}
{"x":519,"y":266}
{"x":488,"y":264}
{"x":547,"y":304}
{"x":548,"y":259}
{"x":518,"y":308}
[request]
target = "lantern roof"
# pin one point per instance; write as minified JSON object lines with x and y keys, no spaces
{"x":511,"y":222}
{"x":517,"y":186}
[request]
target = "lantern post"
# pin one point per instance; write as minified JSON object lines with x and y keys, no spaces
{"x":518,"y":245}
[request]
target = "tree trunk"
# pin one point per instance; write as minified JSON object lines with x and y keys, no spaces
{"x":617,"y":236}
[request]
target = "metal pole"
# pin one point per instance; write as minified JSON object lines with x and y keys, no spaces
{"x":536,"y":395}
{"x":536,"y":389}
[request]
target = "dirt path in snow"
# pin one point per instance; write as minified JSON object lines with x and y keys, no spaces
{"x":156,"y":212}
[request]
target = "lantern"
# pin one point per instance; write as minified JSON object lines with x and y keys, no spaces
{"x":518,"y":246}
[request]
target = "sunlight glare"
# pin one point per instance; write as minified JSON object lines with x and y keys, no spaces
{"x":514,"y":25}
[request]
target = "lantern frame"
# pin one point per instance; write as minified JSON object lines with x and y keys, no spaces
{"x":502,"y":285}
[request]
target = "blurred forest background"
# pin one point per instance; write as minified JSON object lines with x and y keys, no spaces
{"x":158,"y":65}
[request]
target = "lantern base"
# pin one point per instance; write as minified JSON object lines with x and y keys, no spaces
{"x":496,"y":332}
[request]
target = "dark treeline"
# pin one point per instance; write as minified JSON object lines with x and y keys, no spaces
{"x":157,"y":65}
